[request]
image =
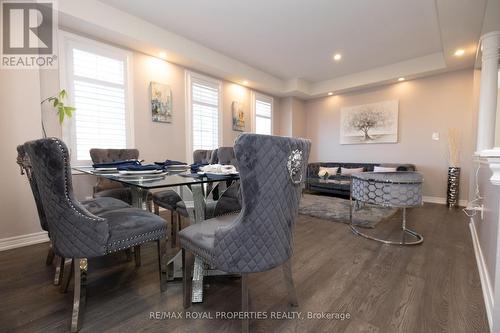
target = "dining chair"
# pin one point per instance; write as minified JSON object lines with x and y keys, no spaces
{"x":260,"y":237}
{"x":75,"y":232}
{"x":169,"y":199}
{"x":225,"y":155}
{"x":205,"y":156}
{"x":230,"y":199}
{"x":107,"y":188}
{"x":95,"y":206}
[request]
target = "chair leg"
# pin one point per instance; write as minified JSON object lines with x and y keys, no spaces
{"x":149,"y":205}
{"x":156,"y":208}
{"x":162,"y":263}
{"x":59,"y":270}
{"x":245,"y":323}
{"x":173,"y":226}
{"x":128,"y":253}
{"x":50,"y":256}
{"x":137,"y":255}
{"x":187,"y":276}
{"x":290,"y":286}
{"x":67,"y":273}
{"x":80,"y":294}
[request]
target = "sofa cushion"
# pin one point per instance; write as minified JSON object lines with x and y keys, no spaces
{"x":350,"y":171}
{"x":384,"y":169}
{"x":331,"y":171}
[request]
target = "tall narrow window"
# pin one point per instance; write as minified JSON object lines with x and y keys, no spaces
{"x":96,"y":78}
{"x":204,"y":107}
{"x":263,"y":114}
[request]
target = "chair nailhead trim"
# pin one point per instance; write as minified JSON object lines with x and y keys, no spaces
{"x":66,"y":192}
{"x":137,"y":236}
{"x":137,"y":243}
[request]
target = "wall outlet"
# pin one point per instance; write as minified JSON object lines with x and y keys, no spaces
{"x":435,"y":136}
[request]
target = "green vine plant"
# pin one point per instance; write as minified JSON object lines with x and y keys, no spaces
{"x":62,"y":110}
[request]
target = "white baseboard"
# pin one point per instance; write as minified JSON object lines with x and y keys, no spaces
{"x":23,"y":240}
{"x":439,"y":200}
{"x":483,"y":274}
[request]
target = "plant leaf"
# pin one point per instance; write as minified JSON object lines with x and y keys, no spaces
{"x":68,"y":110}
{"x":61,"y":115}
{"x":55,"y":102}
{"x":62,"y":94}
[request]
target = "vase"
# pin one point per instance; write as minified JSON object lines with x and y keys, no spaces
{"x":453,"y":186}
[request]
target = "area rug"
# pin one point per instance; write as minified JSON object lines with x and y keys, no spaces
{"x":337,"y":210}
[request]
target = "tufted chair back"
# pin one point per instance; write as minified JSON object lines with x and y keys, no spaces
{"x":25,"y":165}
{"x":271,"y":171}
{"x":100,"y":155}
{"x":226,"y":155}
{"x":204,"y":156}
{"x":75,"y":232}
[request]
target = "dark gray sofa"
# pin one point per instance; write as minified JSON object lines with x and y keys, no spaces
{"x":342,"y":189}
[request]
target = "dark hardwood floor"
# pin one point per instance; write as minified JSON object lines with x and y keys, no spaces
{"x":433,"y":287}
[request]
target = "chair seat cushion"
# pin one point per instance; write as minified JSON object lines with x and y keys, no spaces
{"x":103,"y":204}
{"x":199,"y":237}
{"x":132,"y":226}
{"x":167,"y":199}
{"x":209,"y":208}
{"x":120,"y":193}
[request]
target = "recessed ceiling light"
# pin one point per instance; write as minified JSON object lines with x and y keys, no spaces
{"x":459,"y":52}
{"x":337,"y":56}
{"x":401,"y":79}
{"x":330,"y":93}
{"x":245,"y":82}
{"x":163,"y":55}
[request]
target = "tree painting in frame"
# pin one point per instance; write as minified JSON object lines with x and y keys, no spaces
{"x":369,"y":123}
{"x":238,"y":116}
{"x":161,"y":102}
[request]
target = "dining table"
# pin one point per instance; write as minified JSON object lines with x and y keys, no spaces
{"x":194,"y":189}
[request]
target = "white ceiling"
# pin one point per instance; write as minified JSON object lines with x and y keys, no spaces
{"x":297,"y":38}
{"x":286,"y":46}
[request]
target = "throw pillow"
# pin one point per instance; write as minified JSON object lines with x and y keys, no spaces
{"x":347,"y":171}
{"x":384,"y":169}
{"x":331,"y":171}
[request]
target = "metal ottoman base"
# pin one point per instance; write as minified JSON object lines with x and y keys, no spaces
{"x":418,"y":239}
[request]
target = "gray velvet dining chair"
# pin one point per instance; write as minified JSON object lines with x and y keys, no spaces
{"x":95,"y":206}
{"x":260,"y":237}
{"x":107,"y":188}
{"x":78,"y":234}
{"x":169,"y":199}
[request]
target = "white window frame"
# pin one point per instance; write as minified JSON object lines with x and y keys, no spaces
{"x":189,"y":76}
{"x":66,"y":42}
{"x":254,"y":96}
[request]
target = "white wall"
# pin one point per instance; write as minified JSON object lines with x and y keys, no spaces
{"x":292,"y":117}
{"x":427,"y":105}
{"x":19,"y":122}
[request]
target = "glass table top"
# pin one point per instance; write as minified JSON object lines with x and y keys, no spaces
{"x":151,"y":181}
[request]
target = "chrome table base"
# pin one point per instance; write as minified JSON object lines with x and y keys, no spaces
{"x":194,"y":199}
